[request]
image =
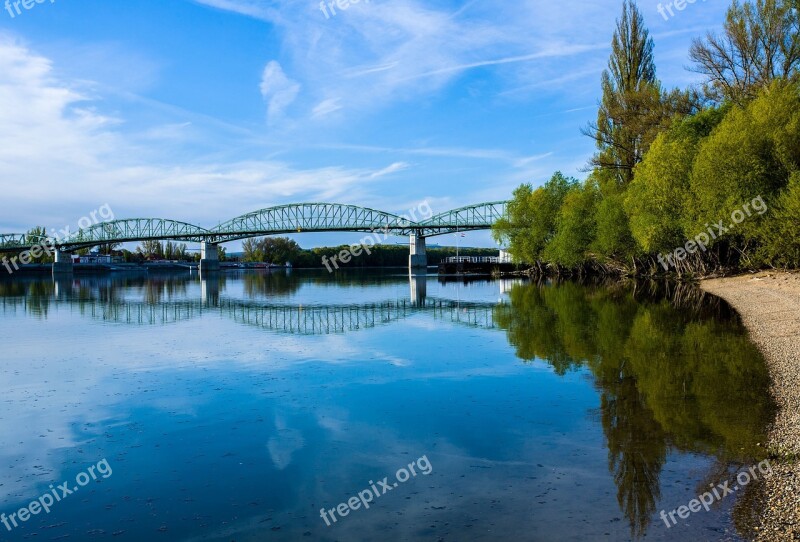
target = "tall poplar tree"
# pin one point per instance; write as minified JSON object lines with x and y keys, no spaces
{"x":631,"y":110}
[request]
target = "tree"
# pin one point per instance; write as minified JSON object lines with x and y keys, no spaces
{"x":760,"y":43}
{"x":613,"y":238}
{"x":277,"y":250}
{"x":631,"y":104}
{"x":150,"y":249}
{"x":252,"y":250}
{"x":532,"y":215}
{"x":751,"y":153}
{"x":575,"y":227}
{"x":36,"y":236}
{"x":657,"y":200}
{"x":781,"y":236}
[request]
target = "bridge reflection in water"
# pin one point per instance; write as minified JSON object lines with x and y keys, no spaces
{"x":305,"y":319}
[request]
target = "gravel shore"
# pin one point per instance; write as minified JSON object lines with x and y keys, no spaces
{"x":769,"y":304}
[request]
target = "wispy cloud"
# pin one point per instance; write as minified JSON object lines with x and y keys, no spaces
{"x":498,"y":155}
{"x":406,"y":48}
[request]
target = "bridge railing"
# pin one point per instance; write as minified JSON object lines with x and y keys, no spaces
{"x":474,"y":259}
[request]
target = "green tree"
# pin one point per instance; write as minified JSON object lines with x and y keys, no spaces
{"x":760,"y":44}
{"x":532,"y":218}
{"x":752,"y":153}
{"x":252,"y":251}
{"x":150,"y":249}
{"x":631,"y":103}
{"x":613,"y":242}
{"x":575,"y":227}
{"x":781,"y":235}
{"x":657,"y":199}
{"x":36,"y":236}
{"x":277,"y":250}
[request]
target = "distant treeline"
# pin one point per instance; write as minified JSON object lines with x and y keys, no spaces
{"x":384,"y":256}
{"x":687,"y":182}
{"x":282,"y":250}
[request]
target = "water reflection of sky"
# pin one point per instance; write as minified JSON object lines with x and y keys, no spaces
{"x":220,"y":431}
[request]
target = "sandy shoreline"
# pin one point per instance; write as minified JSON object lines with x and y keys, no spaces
{"x":769,"y":303}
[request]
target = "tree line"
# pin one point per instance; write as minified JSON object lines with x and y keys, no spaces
{"x":672,"y":163}
{"x":282,"y":250}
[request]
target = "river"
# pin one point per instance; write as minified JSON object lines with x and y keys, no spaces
{"x":298,"y":405}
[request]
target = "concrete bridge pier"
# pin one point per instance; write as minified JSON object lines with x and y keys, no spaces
{"x":63,"y":263}
{"x":209,"y":257}
{"x":418,"y":258}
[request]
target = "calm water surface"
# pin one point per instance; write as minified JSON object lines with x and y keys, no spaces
{"x":235,"y":408}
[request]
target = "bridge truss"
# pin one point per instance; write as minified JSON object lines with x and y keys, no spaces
{"x":295,"y":218}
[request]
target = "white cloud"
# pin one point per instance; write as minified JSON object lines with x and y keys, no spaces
{"x":277,"y":89}
{"x":61,"y":157}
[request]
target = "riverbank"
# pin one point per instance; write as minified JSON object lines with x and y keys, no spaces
{"x":769,"y":303}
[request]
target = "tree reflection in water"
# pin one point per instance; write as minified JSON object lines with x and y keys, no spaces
{"x":674,"y":372}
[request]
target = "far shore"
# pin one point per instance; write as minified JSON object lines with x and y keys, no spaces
{"x":769,"y":304}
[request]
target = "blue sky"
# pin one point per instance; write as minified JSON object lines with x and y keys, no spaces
{"x":202,"y":110}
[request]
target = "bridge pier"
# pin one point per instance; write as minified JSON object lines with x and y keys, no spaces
{"x":63,"y":263}
{"x":209,"y":257}
{"x":418,"y":257}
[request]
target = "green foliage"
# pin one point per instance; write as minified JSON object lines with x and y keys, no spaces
{"x":750,"y":154}
{"x":656,"y":198}
{"x":532,"y":218}
{"x":760,"y":44}
{"x":575,"y":227}
{"x":781,"y":236}
{"x":613,"y":238}
{"x":697,"y":173}
{"x":35,"y":236}
{"x":156,"y":250}
{"x":631,"y":93}
{"x":276,"y":250}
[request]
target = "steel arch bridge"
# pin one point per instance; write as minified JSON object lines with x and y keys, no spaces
{"x":294,"y":218}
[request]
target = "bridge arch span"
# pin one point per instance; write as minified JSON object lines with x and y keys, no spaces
{"x":311,"y":217}
{"x":131,"y":230}
{"x":481,"y":216}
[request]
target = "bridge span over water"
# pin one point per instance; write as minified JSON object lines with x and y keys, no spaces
{"x":283,"y":219}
